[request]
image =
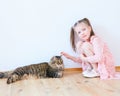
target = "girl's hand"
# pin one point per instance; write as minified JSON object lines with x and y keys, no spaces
{"x":65,"y":54}
{"x":75,"y":59}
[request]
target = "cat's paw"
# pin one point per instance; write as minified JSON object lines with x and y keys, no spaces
{"x":60,"y":74}
{"x":12,"y":79}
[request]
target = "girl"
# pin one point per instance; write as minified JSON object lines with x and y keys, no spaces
{"x":94,"y":55}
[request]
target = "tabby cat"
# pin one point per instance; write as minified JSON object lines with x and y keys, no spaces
{"x":53,"y":69}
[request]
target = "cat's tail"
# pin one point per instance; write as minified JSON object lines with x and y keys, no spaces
{"x":5,"y":74}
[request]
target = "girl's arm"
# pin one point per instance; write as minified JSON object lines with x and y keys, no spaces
{"x":75,"y":59}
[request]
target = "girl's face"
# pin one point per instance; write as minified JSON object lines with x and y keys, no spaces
{"x":83,"y":31}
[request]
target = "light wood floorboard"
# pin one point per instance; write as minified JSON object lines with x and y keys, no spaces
{"x":72,"y":84}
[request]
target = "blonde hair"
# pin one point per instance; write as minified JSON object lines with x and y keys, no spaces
{"x":72,"y":32}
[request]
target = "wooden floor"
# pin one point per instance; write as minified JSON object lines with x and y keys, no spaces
{"x":72,"y":84}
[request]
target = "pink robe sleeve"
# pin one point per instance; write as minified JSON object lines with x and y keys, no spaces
{"x":98,"y":46}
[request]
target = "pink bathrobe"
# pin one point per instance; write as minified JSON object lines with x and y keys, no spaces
{"x":103,"y":57}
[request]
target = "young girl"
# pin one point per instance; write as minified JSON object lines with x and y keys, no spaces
{"x":94,"y":55}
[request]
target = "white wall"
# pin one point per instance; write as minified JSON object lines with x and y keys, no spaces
{"x":32,"y":31}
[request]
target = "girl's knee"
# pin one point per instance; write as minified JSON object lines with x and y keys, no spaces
{"x":86,"y":45}
{"x":87,"y":49}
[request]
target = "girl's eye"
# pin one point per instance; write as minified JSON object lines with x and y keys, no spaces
{"x":79,"y":32}
{"x":84,"y":29}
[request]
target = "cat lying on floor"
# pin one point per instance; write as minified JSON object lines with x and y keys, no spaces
{"x":53,"y":69}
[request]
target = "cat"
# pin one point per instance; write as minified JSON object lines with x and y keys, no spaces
{"x":52,"y":69}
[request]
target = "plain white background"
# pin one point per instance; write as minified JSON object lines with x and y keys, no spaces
{"x":32,"y":31}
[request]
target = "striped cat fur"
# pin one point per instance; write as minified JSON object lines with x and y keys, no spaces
{"x":52,"y":69}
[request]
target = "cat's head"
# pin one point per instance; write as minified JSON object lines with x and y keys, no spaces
{"x":56,"y":62}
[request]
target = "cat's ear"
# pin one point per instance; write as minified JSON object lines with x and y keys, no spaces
{"x":54,"y":58}
{"x":60,"y":56}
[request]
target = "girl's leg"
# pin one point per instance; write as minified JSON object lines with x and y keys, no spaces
{"x":87,"y":50}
